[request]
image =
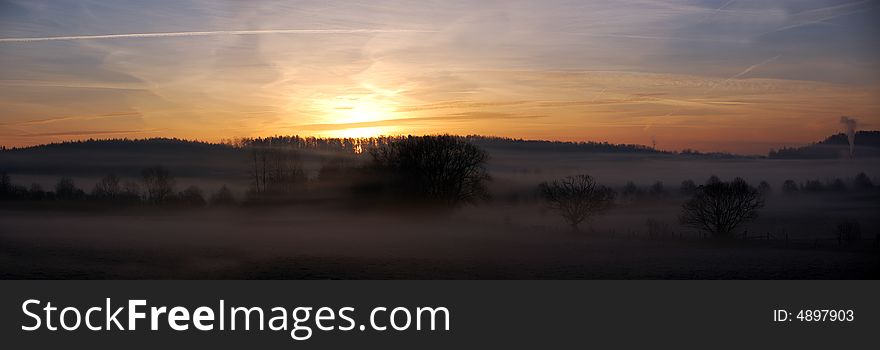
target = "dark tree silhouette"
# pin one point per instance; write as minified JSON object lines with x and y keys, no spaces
{"x":223,"y":197}
{"x":657,"y":189}
{"x":158,"y":184}
{"x":688,"y":187}
{"x":276,"y":170}
{"x":631,"y":190}
{"x":577,"y":198}
{"x":5,"y":186}
{"x":192,"y":196}
{"x":36,"y":192}
{"x":764,"y":188}
{"x":108,"y":188}
{"x":863,"y":182}
{"x":439,"y":169}
{"x":789,"y":186}
{"x":65,"y":189}
{"x":719,"y":207}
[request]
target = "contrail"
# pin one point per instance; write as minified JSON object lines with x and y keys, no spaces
{"x":210,"y":33}
{"x":753,"y":67}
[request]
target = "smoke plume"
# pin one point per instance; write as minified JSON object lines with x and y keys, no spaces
{"x":850,"y":124}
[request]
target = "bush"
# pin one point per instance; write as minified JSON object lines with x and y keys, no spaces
{"x":719,"y":207}
{"x":577,"y":198}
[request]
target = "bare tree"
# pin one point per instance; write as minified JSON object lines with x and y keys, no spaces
{"x":577,"y":198}
{"x":442,"y":169}
{"x":276,"y":170}
{"x":158,"y":184}
{"x":192,"y":196}
{"x":223,"y":197}
{"x":719,"y":207}
{"x":65,"y":189}
{"x":108,"y":187}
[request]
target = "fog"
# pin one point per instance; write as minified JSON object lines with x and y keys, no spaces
{"x":324,"y":234}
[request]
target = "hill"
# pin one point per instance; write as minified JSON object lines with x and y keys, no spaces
{"x":867,"y":144}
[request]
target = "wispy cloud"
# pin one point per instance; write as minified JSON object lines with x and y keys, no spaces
{"x":209,"y":33}
{"x":69,"y":118}
{"x":92,"y":133}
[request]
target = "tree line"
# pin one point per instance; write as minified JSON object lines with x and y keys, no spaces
{"x":156,"y":186}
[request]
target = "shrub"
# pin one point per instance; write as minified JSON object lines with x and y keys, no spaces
{"x":719,"y":207}
{"x":577,"y":198}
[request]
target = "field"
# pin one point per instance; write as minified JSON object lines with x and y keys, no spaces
{"x":510,"y":236}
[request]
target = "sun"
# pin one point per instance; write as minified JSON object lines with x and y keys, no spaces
{"x":358,"y":116}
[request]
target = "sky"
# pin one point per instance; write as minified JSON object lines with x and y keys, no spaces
{"x":740,"y":76}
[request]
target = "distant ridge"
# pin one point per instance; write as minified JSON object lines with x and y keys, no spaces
{"x":867,"y":144}
{"x":161,"y":145}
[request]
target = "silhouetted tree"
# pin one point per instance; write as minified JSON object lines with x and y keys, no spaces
{"x":657,"y":189}
{"x":108,"y":188}
{"x":687,"y":187}
{"x":131,"y":192}
{"x":837,"y":185}
{"x":813,"y":186}
{"x":277,"y":170}
{"x":789,"y":187}
{"x":439,"y":169}
{"x":5,"y":186}
{"x":764,"y":188}
{"x":192,"y":196}
{"x":223,"y":197}
{"x":158,"y":184}
{"x":719,"y":207}
{"x":631,"y":190}
{"x":577,"y":198}
{"x":36,"y":192}
{"x":713,"y":180}
{"x":65,"y":189}
{"x":863,"y":182}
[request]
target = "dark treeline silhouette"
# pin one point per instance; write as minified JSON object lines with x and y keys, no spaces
{"x":867,"y":144}
{"x":446,"y":170}
{"x":351,"y":145}
{"x":156,"y":187}
{"x":860,"y":182}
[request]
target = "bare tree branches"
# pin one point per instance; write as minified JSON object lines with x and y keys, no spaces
{"x":444,"y":169}
{"x":577,"y":198}
{"x":719,"y":207}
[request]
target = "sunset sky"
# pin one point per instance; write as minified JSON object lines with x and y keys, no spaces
{"x":727,"y":75}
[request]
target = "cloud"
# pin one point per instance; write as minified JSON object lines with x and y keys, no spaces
{"x":209,"y":33}
{"x":91,"y":133}
{"x":69,"y":118}
{"x":466,"y":116}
